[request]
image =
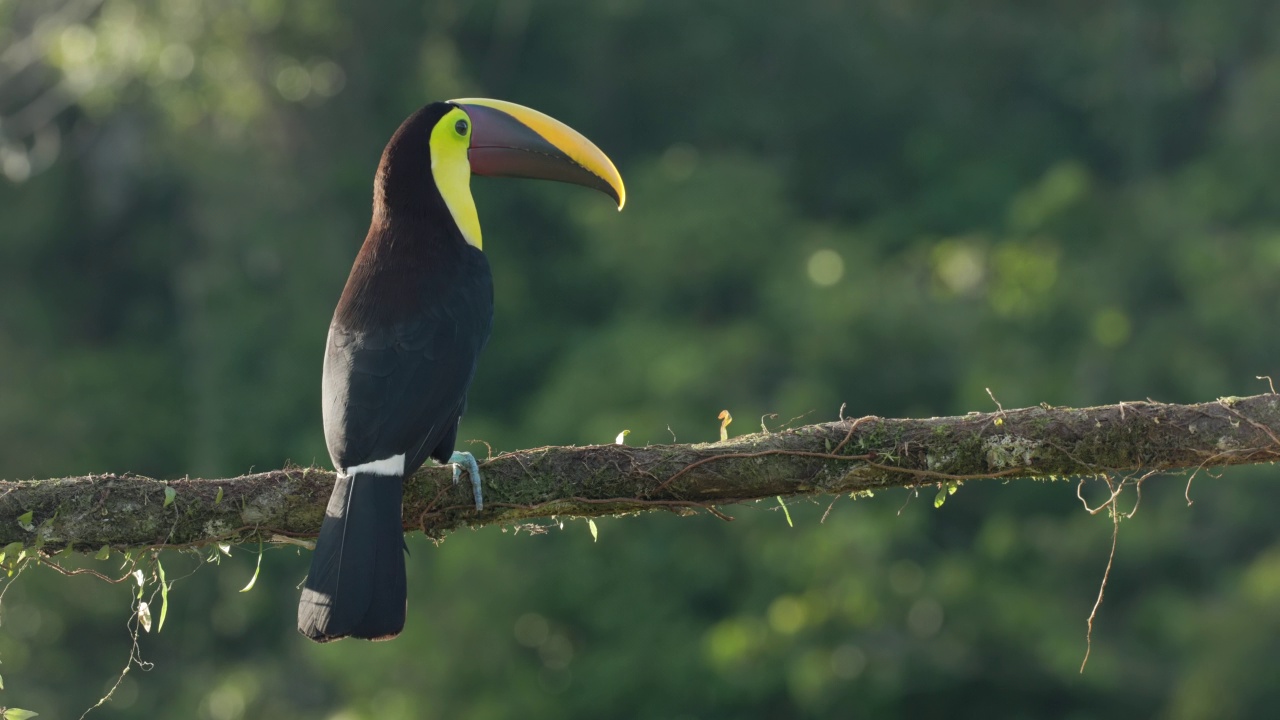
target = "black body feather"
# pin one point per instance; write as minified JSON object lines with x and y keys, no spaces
{"x":414,"y":316}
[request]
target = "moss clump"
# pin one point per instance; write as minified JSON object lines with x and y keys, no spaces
{"x":1006,"y":451}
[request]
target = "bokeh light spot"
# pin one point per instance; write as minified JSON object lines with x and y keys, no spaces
{"x":826,"y":267}
{"x":924,"y":619}
{"x":531,"y":630}
{"x":15,"y":164}
{"x":1111,"y":327}
{"x":176,"y":61}
{"x":732,"y":641}
{"x":679,"y":162}
{"x":224,"y":703}
{"x":77,"y":44}
{"x":556,"y":652}
{"x":958,"y":265}
{"x":327,"y":78}
{"x":848,"y":662}
{"x":293,"y":82}
{"x":787,"y":615}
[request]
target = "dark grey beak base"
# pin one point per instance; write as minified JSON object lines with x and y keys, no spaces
{"x":502,"y":146}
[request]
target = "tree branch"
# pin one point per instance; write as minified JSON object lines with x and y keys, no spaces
{"x":848,"y":456}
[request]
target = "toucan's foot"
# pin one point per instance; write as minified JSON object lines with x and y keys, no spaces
{"x":473,"y":469}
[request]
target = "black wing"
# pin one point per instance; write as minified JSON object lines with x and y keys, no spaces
{"x":397,"y":384}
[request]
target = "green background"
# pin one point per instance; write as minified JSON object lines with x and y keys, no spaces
{"x":893,"y":204}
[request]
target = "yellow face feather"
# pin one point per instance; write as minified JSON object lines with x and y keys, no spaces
{"x":450,"y":139}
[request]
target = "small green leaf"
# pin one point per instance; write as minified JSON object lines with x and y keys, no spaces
{"x":595,"y":534}
{"x":104,"y":553}
{"x":24,"y":520}
{"x":218,"y":498}
{"x":786,"y":512}
{"x":254,"y":579}
{"x":164,"y":596}
{"x":1,"y":682}
{"x":169,"y":495}
{"x":11,"y":552}
{"x":19,"y":714}
{"x":941,"y":497}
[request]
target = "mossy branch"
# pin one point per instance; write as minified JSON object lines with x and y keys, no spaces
{"x":848,"y":456}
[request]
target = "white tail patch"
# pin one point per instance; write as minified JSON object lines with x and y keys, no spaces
{"x":390,"y":467}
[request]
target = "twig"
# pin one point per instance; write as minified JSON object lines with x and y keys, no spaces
{"x":1106,"y":574}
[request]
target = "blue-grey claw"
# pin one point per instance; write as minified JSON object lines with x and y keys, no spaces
{"x":473,"y":469}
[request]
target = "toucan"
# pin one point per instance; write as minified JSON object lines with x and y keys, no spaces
{"x":403,"y":344}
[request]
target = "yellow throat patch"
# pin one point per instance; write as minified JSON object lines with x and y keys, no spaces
{"x":450,"y":140}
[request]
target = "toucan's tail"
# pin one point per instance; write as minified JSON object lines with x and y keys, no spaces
{"x":356,"y":585}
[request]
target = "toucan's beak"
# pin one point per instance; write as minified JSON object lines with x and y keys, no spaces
{"x":510,"y":140}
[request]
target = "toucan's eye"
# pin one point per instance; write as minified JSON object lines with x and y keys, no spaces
{"x":461,"y":127}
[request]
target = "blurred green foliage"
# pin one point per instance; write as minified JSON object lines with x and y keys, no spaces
{"x":893,"y":204}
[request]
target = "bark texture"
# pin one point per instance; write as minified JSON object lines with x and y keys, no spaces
{"x":848,"y":456}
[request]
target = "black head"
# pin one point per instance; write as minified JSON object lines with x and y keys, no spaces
{"x":404,"y":182}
